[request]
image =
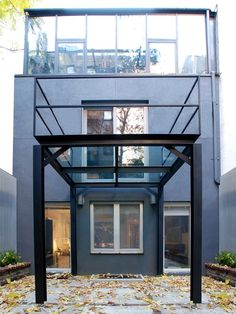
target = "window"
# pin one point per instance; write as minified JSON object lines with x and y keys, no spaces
{"x":131,"y":49}
{"x":177,"y":235}
{"x":101,"y":43}
{"x":119,"y":120}
{"x":70,"y":57}
{"x":155,"y":43}
{"x":116,"y":228}
{"x":162,"y":57}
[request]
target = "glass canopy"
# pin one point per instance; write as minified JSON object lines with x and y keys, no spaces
{"x":117,"y":165}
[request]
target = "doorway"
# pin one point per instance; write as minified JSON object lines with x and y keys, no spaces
{"x":57,"y":235}
{"x":177,"y":235}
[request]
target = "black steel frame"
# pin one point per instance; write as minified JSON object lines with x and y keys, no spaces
{"x":41,"y":154}
{"x":118,"y":11}
{"x":115,"y":103}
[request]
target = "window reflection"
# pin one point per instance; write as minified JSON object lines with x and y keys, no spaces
{"x":101,"y":44}
{"x":192,"y":44}
{"x":118,"y":44}
{"x":129,"y":226}
{"x":70,"y":58}
{"x":162,"y":58}
{"x":131,"y":44}
{"x":124,"y":120}
{"x":116,"y":228}
{"x":41,"y":38}
{"x":103,"y":226}
{"x":130,"y":120}
{"x":177,"y":249}
{"x":99,"y":122}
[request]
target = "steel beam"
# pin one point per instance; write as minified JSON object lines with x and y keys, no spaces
{"x":55,"y":155}
{"x":112,"y":184}
{"x":125,"y":169}
{"x":160,"y":221}
{"x":178,"y":154}
{"x":113,"y":11}
{"x":196,"y":224}
{"x":116,"y":140}
{"x":73,"y":229}
{"x":39,"y":225}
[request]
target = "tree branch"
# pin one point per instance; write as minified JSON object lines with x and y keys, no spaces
{"x":11,"y":49}
{"x":17,"y":11}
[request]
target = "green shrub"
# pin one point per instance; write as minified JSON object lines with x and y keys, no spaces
{"x":226,"y":258}
{"x":9,"y":258}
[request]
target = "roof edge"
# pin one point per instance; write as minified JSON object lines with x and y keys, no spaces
{"x":37,"y":12}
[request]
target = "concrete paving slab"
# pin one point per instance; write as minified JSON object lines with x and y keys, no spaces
{"x":155,"y":295}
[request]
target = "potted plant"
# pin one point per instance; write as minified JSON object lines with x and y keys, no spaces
{"x":224,"y":269}
{"x":11,"y":267}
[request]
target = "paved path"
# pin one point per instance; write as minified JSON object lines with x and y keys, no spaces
{"x":165,"y":294}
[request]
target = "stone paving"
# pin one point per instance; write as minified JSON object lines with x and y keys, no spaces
{"x":80,"y":294}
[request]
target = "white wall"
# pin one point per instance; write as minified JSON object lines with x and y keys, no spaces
{"x":227,"y":63}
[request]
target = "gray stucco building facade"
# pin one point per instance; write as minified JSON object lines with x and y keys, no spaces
{"x":8,"y":212}
{"x":78,"y":88}
{"x":227,"y":211}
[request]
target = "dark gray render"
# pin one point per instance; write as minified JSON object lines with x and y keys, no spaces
{"x":8,"y":213}
{"x":78,"y":91}
{"x":177,"y":189}
{"x":227,"y":211}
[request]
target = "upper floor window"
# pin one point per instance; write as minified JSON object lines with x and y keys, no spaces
{"x":155,"y":43}
{"x":123,"y":120}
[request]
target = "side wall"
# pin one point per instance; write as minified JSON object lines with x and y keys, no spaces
{"x":7,"y":212}
{"x":228,"y":211}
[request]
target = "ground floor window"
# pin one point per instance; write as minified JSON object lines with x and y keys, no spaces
{"x":116,"y":227}
{"x":177,"y":235}
{"x":57,"y":235}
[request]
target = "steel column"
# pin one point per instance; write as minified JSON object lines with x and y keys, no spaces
{"x":39,"y":225}
{"x":196,"y":224}
{"x":73,"y":230}
{"x":160,"y":221}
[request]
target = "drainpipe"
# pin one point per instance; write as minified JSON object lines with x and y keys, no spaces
{"x":216,"y":130}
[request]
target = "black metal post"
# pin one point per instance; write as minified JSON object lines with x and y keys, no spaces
{"x":39,"y":225}
{"x":73,"y":230}
{"x":196,"y":224}
{"x":160,"y":220}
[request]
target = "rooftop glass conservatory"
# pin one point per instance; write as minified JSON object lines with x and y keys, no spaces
{"x":119,"y":41}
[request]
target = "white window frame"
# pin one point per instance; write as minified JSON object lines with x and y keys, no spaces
{"x":84,"y":151}
{"x":177,"y":209}
{"x":116,"y":249}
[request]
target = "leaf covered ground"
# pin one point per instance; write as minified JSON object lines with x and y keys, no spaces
{"x":80,"y":294}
